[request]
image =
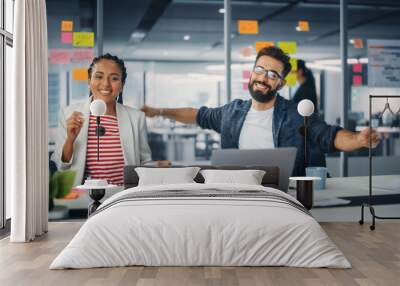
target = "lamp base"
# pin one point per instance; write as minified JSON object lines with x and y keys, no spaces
{"x":305,"y":193}
{"x":96,"y":195}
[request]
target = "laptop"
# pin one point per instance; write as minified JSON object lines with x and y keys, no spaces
{"x":280,"y":157}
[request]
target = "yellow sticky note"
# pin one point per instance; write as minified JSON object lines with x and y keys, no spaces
{"x":304,"y":26}
{"x":288,"y":47}
{"x":248,"y":26}
{"x":66,"y":26}
{"x":80,"y":74}
{"x":291,"y":79}
{"x":260,"y":45}
{"x":293,"y":62}
{"x":83,"y":39}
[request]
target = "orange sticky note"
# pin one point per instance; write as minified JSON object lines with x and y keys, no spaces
{"x":80,"y":74}
{"x":248,"y":26}
{"x":66,"y":26}
{"x":260,"y":45}
{"x":358,"y":43}
{"x":288,"y":47}
{"x":291,"y":79}
{"x":304,"y":26}
{"x":293,"y":62}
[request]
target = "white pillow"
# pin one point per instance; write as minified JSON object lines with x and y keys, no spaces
{"x":166,"y":176}
{"x":249,"y":177}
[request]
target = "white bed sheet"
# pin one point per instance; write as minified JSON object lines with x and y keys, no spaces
{"x":200,"y":231}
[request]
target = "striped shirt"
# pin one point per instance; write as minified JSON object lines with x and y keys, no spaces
{"x":110,"y":165}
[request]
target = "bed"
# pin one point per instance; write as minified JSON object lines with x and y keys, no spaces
{"x":201,"y":224}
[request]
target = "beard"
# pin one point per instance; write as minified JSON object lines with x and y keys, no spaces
{"x":260,"y":96}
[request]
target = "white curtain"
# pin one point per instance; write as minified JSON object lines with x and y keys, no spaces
{"x":27,"y":123}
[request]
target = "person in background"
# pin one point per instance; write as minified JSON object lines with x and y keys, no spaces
{"x":268,"y":120}
{"x":306,"y":89}
{"x":125,"y":138}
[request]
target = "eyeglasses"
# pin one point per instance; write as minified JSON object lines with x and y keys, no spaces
{"x":268,"y":73}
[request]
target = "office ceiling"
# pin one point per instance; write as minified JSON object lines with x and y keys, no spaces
{"x":155,"y":29}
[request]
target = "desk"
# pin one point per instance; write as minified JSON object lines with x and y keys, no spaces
{"x":355,"y":186}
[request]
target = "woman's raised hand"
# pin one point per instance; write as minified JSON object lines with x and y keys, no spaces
{"x":74,"y":125}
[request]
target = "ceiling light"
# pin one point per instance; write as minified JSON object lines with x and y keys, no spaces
{"x":186,"y":37}
{"x":221,"y":10}
{"x":138,"y":35}
{"x":338,"y":62}
{"x":320,"y":66}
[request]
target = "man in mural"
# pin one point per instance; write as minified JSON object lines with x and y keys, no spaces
{"x":268,"y":120}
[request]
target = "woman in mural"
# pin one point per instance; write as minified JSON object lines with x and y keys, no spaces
{"x":125,"y":139}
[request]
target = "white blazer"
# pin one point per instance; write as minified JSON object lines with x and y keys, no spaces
{"x":132,"y":131}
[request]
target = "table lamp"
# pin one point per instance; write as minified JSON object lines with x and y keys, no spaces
{"x":98,"y":108}
{"x":305,"y":108}
{"x":304,"y":185}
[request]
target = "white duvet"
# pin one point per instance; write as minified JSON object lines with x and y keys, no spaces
{"x":187,"y":231}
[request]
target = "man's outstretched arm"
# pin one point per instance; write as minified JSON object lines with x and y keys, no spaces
{"x":346,"y":140}
{"x":185,"y":115}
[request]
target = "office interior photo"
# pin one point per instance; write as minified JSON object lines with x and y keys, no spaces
{"x":199,"y":142}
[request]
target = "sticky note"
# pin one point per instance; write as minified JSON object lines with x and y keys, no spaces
{"x":83,"y":39}
{"x":66,"y":37}
{"x":246,"y":74}
{"x":60,"y":56}
{"x":80,"y":74}
{"x":357,"y":68}
{"x":304,"y":26}
{"x":358,"y":43}
{"x":260,"y":45}
{"x":245,"y":86}
{"x":288,"y":47}
{"x":66,"y":26}
{"x":293,"y":62}
{"x":82,"y":55}
{"x":357,"y":80}
{"x":248,"y":27}
{"x":246,"y":51}
{"x":291,"y":79}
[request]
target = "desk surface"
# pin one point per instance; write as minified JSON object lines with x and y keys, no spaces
{"x":356,"y":186}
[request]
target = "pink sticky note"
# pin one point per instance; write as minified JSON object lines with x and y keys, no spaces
{"x":246,"y":74}
{"x":82,"y":55}
{"x":66,"y":37}
{"x":357,"y":80}
{"x":60,"y":56}
{"x":357,"y":68}
{"x":245,"y":86}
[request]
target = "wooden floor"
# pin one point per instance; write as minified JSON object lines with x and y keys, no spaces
{"x":374,"y":255}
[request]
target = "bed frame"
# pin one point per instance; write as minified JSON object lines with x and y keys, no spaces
{"x":270,"y":179}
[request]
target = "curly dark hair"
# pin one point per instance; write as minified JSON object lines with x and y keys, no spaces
{"x":115,"y":59}
{"x":278,"y":54}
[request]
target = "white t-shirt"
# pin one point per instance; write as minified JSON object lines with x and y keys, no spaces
{"x":256,"y":132}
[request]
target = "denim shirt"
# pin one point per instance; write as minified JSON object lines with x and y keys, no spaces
{"x":228,"y":121}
